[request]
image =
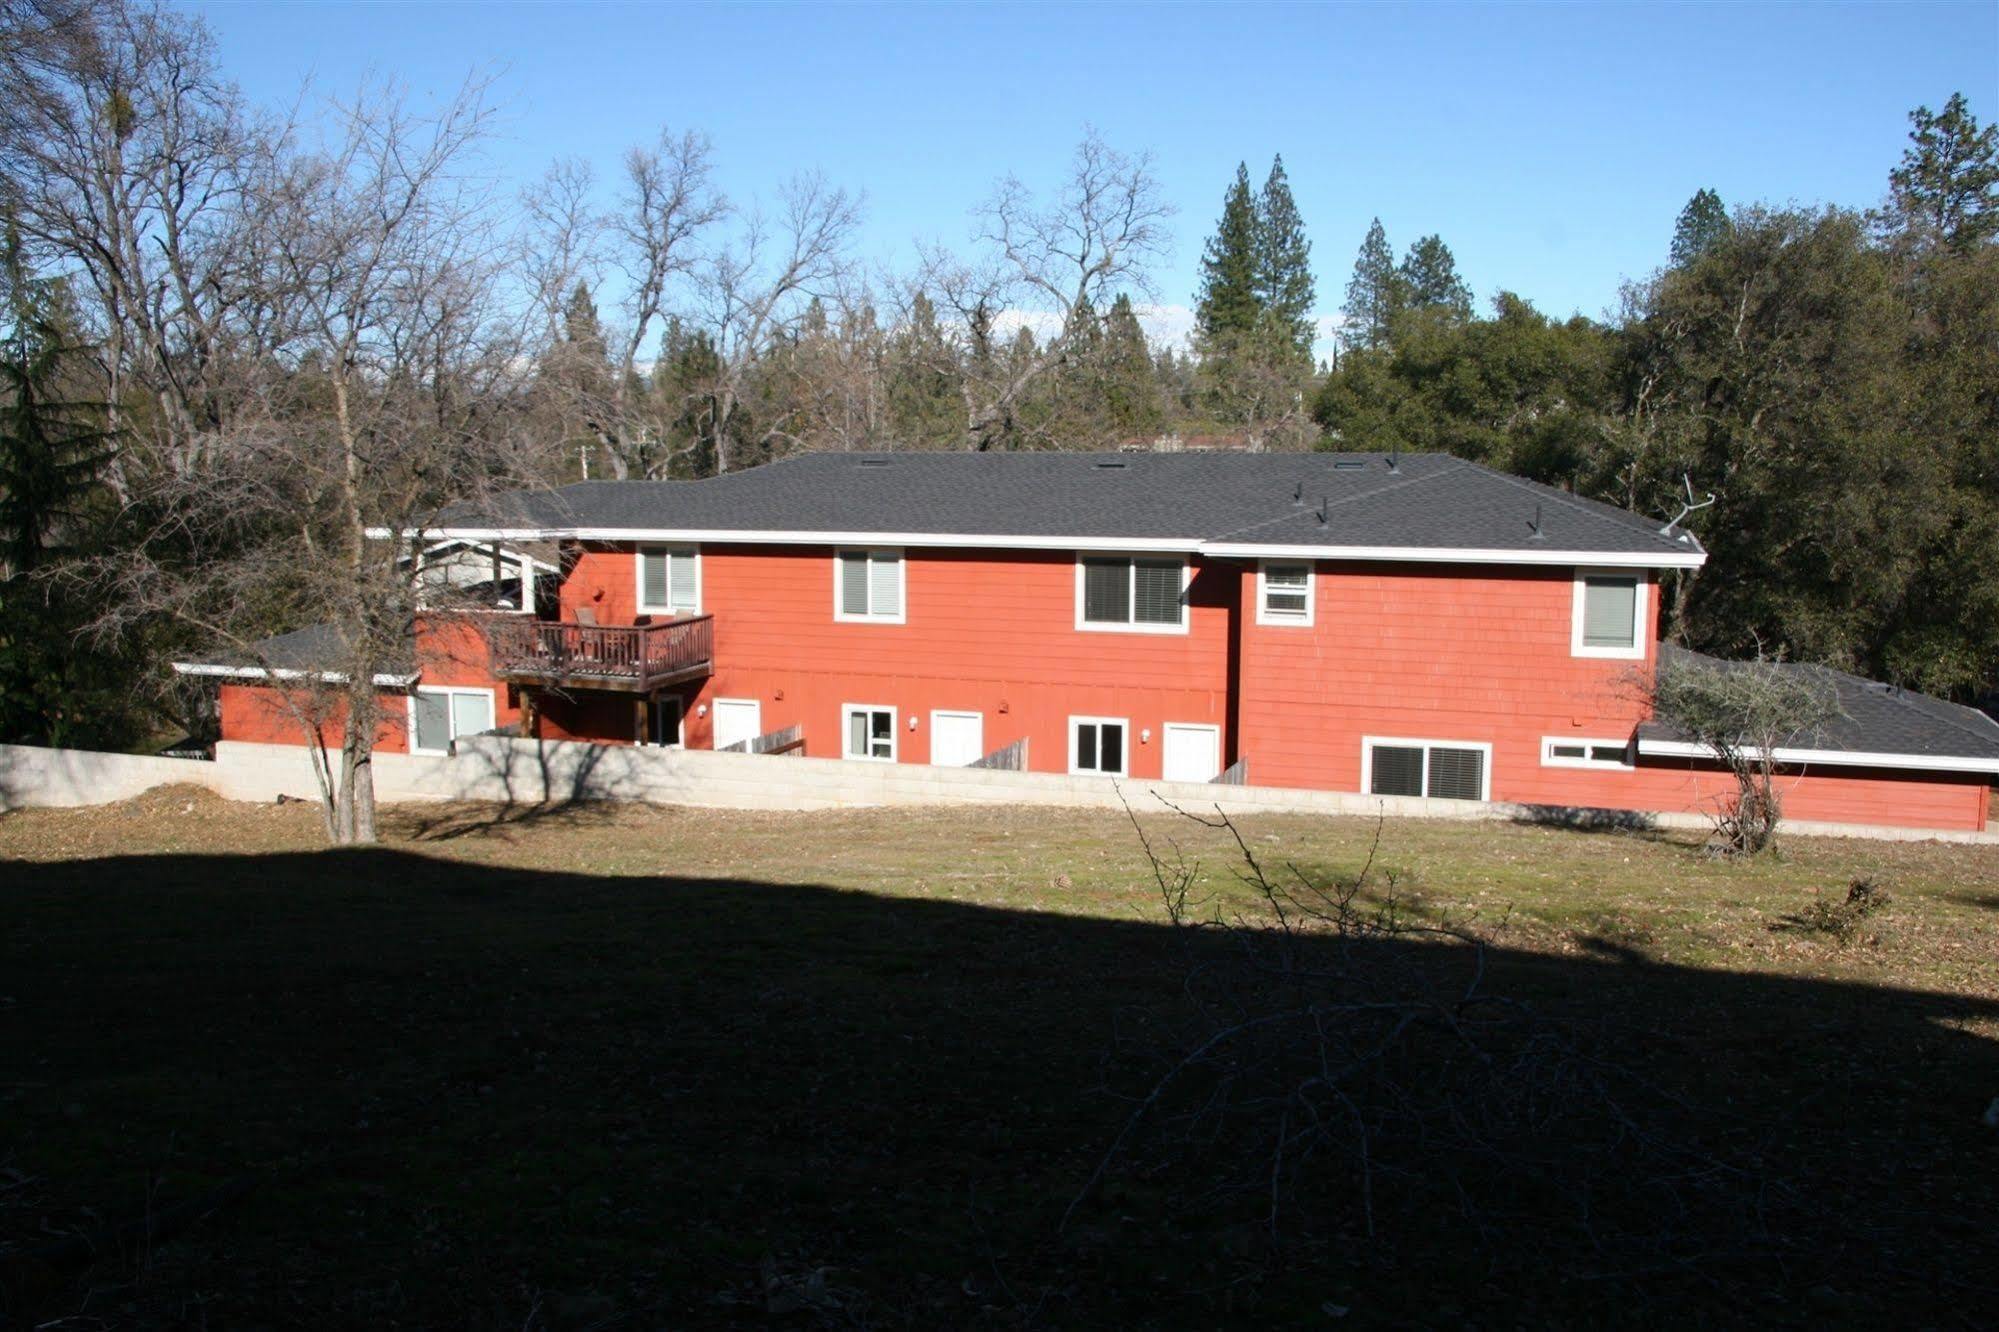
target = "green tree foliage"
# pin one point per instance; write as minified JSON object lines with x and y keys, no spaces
{"x":1375,"y":292}
{"x":1702,"y":223}
{"x":1284,"y":286}
{"x":1946,"y":190}
{"x":54,"y":689}
{"x":1430,"y":281}
{"x":1230,"y":302}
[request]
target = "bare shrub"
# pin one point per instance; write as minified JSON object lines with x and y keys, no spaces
{"x":1344,"y":1070}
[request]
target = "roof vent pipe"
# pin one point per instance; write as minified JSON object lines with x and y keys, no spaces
{"x":1395,"y":462}
{"x":1325,"y":508}
{"x":1298,"y":493}
{"x":1538,"y":535}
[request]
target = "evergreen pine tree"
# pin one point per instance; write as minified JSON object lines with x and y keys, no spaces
{"x":1946,"y":191}
{"x":1430,"y":281}
{"x":1228,"y":305}
{"x":1702,"y":223}
{"x":1284,"y":286}
{"x":1375,"y":292}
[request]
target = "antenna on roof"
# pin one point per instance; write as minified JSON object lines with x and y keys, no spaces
{"x":1298,"y":493}
{"x":1539,"y":535}
{"x":1324,"y":509}
{"x":1689,"y":507}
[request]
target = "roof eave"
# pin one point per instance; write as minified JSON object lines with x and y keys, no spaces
{"x":1850,"y":758}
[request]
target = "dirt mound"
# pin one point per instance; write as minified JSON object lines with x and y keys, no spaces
{"x":179,"y":799}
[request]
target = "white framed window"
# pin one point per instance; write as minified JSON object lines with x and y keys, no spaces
{"x":669,"y":579}
{"x":867,"y":731}
{"x":1099,"y":745}
{"x":868,"y":586}
{"x":1609,"y":614}
{"x":441,"y":715}
{"x":1284,"y":592}
{"x":1435,"y":769}
{"x":1133,"y":594}
{"x":1564,"y":751}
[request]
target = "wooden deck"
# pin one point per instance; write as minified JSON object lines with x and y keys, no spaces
{"x":636,"y":658}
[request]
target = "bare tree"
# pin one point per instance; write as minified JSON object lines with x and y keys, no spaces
{"x":667,"y":203}
{"x":394,"y":398}
{"x":1047,"y":266}
{"x":756,"y":292}
{"x":131,"y":164}
{"x":1744,"y":712}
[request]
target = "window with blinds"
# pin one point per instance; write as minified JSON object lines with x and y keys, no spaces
{"x":1413,"y":768}
{"x":868,"y":585}
{"x":1285,"y":594}
{"x":1132,"y":592}
{"x":1609,"y":612}
{"x":670,"y":580}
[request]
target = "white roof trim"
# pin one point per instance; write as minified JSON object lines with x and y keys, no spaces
{"x":1849,"y":758}
{"x":515,"y":555}
{"x":1691,"y":559}
{"x":1601,"y":559}
{"x":282,"y":673}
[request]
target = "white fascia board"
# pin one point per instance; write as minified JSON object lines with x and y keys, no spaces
{"x":259,"y":673}
{"x":721,"y":536}
{"x":1692,"y":559}
{"x":1459,"y":555}
{"x":1847,"y":758}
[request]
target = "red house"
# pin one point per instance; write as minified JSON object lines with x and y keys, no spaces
{"x":1412,"y":625}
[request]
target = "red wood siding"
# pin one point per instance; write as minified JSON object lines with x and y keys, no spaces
{"x":983,"y":632}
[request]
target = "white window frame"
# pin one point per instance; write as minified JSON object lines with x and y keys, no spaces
{"x":1124,"y":757}
{"x":451,"y":716}
{"x":847,"y":711}
{"x":1133,"y":626}
{"x":1640,"y":615}
{"x":639,"y":579}
{"x":1368,"y":742}
{"x":1264,"y":615}
{"x":1549,"y":759}
{"x":901,"y":615}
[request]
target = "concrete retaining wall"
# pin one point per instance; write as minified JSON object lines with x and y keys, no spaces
{"x":506,"y":769}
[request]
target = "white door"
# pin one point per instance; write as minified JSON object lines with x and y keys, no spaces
{"x":737,"y":720}
{"x":1193,"y":753}
{"x":957,"y":738}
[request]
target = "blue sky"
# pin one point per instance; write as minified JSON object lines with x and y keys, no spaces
{"x":1550,"y":145}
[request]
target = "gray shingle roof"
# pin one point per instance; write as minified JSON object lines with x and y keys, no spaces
{"x":1416,"y":501}
{"x":1874,"y":718}
{"x":312,"y":650}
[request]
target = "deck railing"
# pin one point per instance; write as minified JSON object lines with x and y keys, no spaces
{"x":635,"y":656}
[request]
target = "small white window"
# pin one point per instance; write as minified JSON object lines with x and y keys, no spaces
{"x":441,"y":716}
{"x":1561,"y":751}
{"x":1437,"y":769}
{"x":868,"y":586}
{"x":1609,"y":615}
{"x":1098,"y":745}
{"x":1144,"y":594}
{"x":670,"y":579}
{"x":1284,"y":592}
{"x":868,"y":731}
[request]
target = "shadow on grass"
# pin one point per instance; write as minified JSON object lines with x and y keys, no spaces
{"x":492,"y":1097}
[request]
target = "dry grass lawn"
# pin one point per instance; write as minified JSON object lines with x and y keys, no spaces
{"x":652,"y":1067}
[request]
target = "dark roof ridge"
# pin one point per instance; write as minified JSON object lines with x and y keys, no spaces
{"x":1330,"y":503}
{"x":1575,"y":502}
